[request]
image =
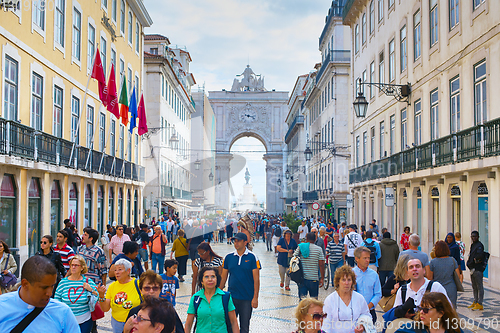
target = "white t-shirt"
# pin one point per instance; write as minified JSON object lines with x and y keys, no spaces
{"x":417,"y":295}
{"x":341,"y":318}
{"x":352,"y":240}
{"x":303,"y":230}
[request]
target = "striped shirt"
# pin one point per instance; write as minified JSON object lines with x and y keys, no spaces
{"x":95,"y":260}
{"x":310,"y":265}
{"x":66,"y":254}
{"x":116,"y":243}
{"x":334,"y":252}
{"x":76,"y":297}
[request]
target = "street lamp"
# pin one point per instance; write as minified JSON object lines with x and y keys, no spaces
{"x":211,"y":176}
{"x":308,"y":153}
{"x":278,"y":182}
{"x":287,"y":174}
{"x":197,"y":164}
{"x":401,"y":92}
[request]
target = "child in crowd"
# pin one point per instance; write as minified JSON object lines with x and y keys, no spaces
{"x":170,"y":281}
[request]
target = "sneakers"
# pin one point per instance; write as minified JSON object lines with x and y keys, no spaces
{"x":473,"y":305}
{"x":281,"y":285}
{"x":478,"y":307}
{"x":181,"y":279}
{"x":287,"y":288}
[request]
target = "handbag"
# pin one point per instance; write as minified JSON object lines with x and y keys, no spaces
{"x":387,"y":302}
{"x":7,"y":280}
{"x":459,"y":284}
{"x":95,"y":309}
{"x":295,"y":270}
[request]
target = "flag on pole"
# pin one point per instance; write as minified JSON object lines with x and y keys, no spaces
{"x":112,"y":96}
{"x":132,"y":107}
{"x":98,"y":74}
{"x":124,"y":103}
{"x":143,"y":124}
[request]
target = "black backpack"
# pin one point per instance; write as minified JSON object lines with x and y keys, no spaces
{"x":373,"y":251}
{"x":404,"y":288}
{"x":277,"y":231}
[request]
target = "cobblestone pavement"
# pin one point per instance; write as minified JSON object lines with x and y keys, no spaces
{"x":277,"y":306}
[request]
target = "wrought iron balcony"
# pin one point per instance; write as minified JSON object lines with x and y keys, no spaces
{"x":334,"y":56}
{"x":299,"y":120}
{"x":310,"y":196}
{"x":475,"y":142}
{"x":25,"y":142}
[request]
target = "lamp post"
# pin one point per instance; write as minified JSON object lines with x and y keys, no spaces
{"x":401,"y":92}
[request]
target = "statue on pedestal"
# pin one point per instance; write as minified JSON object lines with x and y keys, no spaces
{"x":247,"y":176}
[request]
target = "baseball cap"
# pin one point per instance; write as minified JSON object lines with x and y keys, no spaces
{"x":240,"y":236}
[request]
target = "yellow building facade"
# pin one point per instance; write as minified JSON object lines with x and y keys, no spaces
{"x":62,"y":154}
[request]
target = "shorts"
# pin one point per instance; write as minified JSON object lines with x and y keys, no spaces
{"x":275,"y":241}
{"x":193,"y":252}
{"x":143,"y":255}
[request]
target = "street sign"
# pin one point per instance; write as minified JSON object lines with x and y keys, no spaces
{"x":350,"y":202}
{"x":303,"y":205}
{"x":389,"y":196}
{"x":328,"y":205}
{"x":315,"y":206}
{"x":294,"y":203}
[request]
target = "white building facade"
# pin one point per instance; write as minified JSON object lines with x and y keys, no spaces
{"x":438,"y":153}
{"x":326,"y":111}
{"x":167,"y":146}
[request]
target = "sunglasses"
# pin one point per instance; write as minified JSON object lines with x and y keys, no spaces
{"x":44,"y":242}
{"x":318,"y":316}
{"x":140,"y":318}
{"x":202,"y":253}
{"x":424,"y":310}
{"x":148,"y":289}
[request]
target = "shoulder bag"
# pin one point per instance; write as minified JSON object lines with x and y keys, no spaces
{"x":95,"y":310}
{"x":27,"y":320}
{"x":459,"y":284}
{"x":387,"y":302}
{"x":7,"y":280}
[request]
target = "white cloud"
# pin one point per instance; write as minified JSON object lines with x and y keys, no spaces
{"x":278,"y":37}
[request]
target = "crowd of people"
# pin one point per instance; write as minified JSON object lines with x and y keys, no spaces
{"x":78,"y":283}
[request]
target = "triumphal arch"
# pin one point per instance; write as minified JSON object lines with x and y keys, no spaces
{"x":249,"y":109}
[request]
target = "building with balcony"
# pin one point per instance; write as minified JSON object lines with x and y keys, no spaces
{"x":325,"y":108}
{"x":438,"y":153}
{"x":62,"y":155}
{"x":295,"y":140}
{"x":203,"y":129}
{"x":167,"y":146}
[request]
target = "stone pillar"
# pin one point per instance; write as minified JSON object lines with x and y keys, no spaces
{"x":274,"y":193}
{"x":222,"y":180}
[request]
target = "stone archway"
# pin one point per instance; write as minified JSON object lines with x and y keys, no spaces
{"x":250,"y":110}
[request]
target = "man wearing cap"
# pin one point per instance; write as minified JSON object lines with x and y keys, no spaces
{"x":243,"y":267}
{"x":352,"y":241}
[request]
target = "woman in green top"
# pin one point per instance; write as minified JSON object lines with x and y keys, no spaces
{"x":74,"y":290}
{"x":209,"y":310}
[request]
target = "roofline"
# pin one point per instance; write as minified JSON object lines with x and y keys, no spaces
{"x":141,"y":12}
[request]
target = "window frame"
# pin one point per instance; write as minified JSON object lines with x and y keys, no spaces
{"x":372,"y":16}
{"x":417,"y":35}
{"x":11,"y":83}
{"x":37,"y":96}
{"x":380,"y":10}
{"x":417,"y":107}
{"x":38,"y":14}
{"x":130,"y":25}
{"x":90,"y":46}
{"x":433,"y":23}
{"x":382,"y":139}
{"x":122,"y":18}
{"x":76,"y":43}
{"x":75,"y":115}
{"x":480,"y":82}
{"x":372,"y":143}
{"x":404,"y":129}
{"x":455,"y":105}
{"x":90,"y":126}
{"x":392,"y":60}
{"x":57,"y":128}
{"x":372,"y":79}
{"x":392,"y":134}
{"x":356,"y":38}
{"x":102,"y":131}
{"x":381,"y":67}
{"x":403,"y":49}
{"x":363,"y":29}
{"x":434,"y":114}
{"x":453,"y":13}
{"x":59,"y":15}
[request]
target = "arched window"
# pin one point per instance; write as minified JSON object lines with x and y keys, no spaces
{"x":34,"y":215}
{"x":55,"y":208}
{"x":8,"y":204}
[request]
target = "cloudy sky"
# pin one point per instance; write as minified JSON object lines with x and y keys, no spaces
{"x":278,"y":38}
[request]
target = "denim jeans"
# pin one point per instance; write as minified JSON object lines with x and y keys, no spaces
{"x":86,"y":327}
{"x":169,"y":236}
{"x":333,"y":268}
{"x":157,"y":259}
{"x":309,"y":286}
{"x":117,"y":325}
{"x":383,"y":276}
{"x":476,"y":279}
{"x":143,"y":255}
{"x":350,"y":261}
{"x":244,"y":310}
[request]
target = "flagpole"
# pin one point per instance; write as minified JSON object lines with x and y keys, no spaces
{"x":80,"y":116}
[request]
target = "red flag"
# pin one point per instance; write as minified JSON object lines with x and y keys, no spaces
{"x":98,"y":74}
{"x":112,"y":105}
{"x":143,"y":124}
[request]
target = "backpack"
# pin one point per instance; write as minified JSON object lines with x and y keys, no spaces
{"x":225,"y":304}
{"x":277,"y":231}
{"x":373,"y":251}
{"x":404,"y":288}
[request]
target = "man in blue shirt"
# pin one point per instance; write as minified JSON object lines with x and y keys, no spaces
{"x":243,"y":267}
{"x":374,"y":247}
{"x":38,"y":277}
{"x":130,"y":252}
{"x":367,"y":281}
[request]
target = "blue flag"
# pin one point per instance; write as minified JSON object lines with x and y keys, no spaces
{"x":132,"y":108}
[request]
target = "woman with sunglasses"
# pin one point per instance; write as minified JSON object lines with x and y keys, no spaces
{"x":436,"y":314}
{"x":47,"y":251}
{"x":155,"y":316}
{"x":309,"y":315}
{"x":210,"y":313}
{"x":344,"y":306}
{"x":207,"y":258}
{"x":74,"y":290}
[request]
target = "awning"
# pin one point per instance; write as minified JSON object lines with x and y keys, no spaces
{"x":182,"y":205}
{"x":171,"y":204}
